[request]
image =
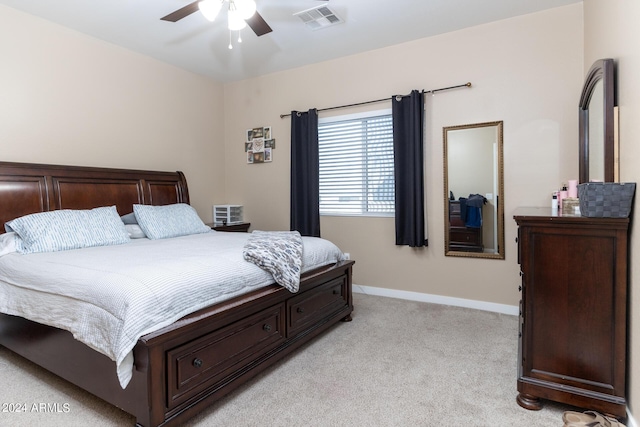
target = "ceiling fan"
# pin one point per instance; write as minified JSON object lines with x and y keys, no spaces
{"x":240,"y":12}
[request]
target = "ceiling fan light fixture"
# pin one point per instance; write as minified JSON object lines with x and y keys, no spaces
{"x":210,"y":8}
{"x":236,"y":23}
{"x":246,"y":8}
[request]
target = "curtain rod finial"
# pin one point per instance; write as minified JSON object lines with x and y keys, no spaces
{"x":468,"y":84}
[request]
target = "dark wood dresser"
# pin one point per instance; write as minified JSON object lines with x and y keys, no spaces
{"x":573,"y":312}
{"x":461,"y":237}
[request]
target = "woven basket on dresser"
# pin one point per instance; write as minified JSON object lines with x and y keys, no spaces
{"x":606,"y":199}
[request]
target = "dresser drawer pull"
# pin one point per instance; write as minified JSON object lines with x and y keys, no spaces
{"x":336,"y":291}
{"x":266,"y":327}
{"x":197,"y":362}
{"x":300,"y":310}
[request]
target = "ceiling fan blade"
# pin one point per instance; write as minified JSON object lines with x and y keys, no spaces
{"x":258,"y":24}
{"x":182,"y":12}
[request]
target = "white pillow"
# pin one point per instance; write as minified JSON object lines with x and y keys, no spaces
{"x":160,"y":222}
{"x":7,"y":243}
{"x":135,"y":232}
{"x":66,"y":229}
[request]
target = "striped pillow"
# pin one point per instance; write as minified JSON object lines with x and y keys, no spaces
{"x":66,"y":229}
{"x":160,"y":222}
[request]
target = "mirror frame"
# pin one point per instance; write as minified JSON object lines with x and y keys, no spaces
{"x":602,"y":69}
{"x":500,"y":196}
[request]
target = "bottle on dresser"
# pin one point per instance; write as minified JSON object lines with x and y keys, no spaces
{"x":562,"y":194}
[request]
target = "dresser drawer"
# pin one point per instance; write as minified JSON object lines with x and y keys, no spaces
{"x":465,"y":236}
{"x":308,"y":308}
{"x":199,"y":364}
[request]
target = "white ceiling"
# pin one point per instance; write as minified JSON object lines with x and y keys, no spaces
{"x":198,"y":45}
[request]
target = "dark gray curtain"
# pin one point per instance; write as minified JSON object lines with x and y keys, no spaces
{"x":408,"y":125}
{"x":305,"y":173}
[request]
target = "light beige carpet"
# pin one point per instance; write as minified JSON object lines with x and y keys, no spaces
{"x":398,"y":363}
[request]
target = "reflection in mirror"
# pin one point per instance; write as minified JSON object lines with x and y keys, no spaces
{"x":596,"y":134}
{"x":473,"y":190}
{"x":598,"y":147}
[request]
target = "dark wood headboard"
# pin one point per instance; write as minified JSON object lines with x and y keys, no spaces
{"x":27,"y":188}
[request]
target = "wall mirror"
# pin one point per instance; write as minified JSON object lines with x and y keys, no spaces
{"x":598,"y":152}
{"x":473,"y":191}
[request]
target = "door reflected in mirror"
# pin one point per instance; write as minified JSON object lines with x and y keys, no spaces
{"x":473,"y":190}
{"x":596,"y":133}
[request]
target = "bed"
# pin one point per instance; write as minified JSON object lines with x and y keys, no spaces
{"x":187,"y":365}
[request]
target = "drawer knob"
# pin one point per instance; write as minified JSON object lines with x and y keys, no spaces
{"x":300,"y":310}
{"x":336,"y":292}
{"x":266,"y":327}
{"x":197,"y":362}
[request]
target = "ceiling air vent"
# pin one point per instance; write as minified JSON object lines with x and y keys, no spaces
{"x":319,"y":17}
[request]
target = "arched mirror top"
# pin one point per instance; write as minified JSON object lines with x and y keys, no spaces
{"x":597,"y":133}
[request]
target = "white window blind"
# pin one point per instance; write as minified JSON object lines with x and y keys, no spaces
{"x":356,"y":166}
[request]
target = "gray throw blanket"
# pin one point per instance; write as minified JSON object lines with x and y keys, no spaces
{"x":279,"y":253}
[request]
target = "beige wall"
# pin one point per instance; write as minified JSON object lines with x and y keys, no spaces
{"x":611,"y":31}
{"x":71,"y":99}
{"x":526,"y":71}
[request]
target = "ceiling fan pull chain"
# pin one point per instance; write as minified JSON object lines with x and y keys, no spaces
{"x":230,"y":45}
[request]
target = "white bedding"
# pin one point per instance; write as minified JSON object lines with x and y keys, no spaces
{"x":110,"y":296}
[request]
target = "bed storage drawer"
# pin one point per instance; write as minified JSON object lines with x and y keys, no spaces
{"x":323,"y":301}
{"x":202,"y":363}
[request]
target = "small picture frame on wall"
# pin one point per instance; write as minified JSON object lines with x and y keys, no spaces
{"x":249,"y":156}
{"x":258,"y":145}
{"x":257,"y":133}
{"x":268,"y":155}
{"x":258,"y":157}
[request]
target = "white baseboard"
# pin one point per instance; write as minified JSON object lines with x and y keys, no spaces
{"x":437,"y":299}
{"x":457,"y":302}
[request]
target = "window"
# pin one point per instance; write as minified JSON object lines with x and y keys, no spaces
{"x":356,"y":165}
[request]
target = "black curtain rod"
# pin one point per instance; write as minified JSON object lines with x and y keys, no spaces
{"x":468,"y":84}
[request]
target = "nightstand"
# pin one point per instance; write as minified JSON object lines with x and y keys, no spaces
{"x":242,"y":227}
